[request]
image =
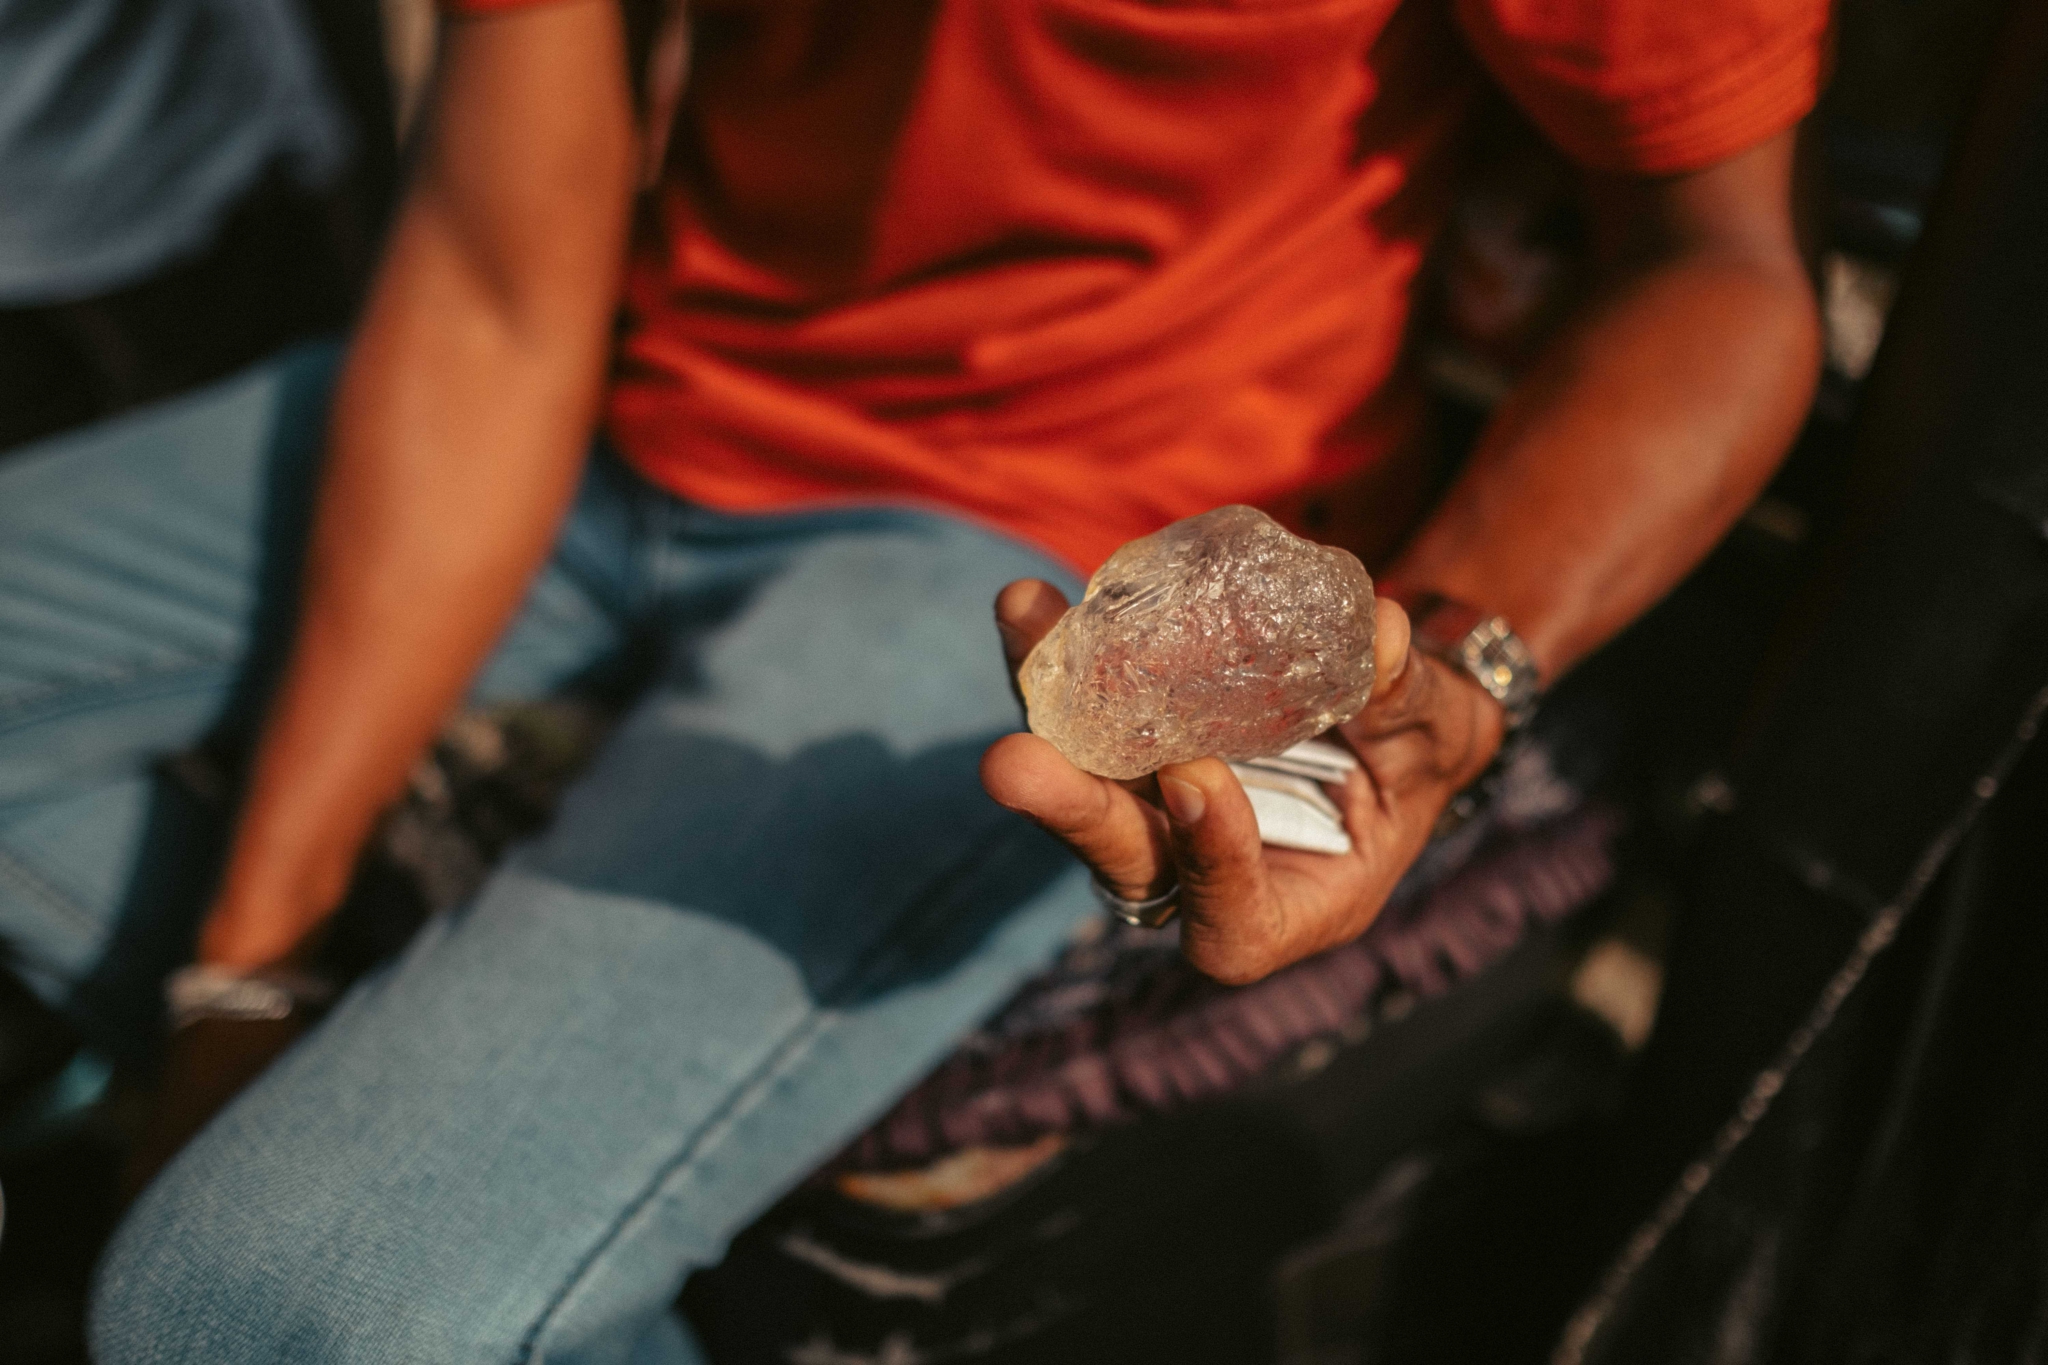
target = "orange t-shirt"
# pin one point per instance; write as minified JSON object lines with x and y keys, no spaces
{"x":1078,"y":268}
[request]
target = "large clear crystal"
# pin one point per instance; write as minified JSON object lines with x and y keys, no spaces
{"x":1221,"y":635}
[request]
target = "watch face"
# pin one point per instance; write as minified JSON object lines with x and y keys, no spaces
{"x":1498,"y":660}
{"x":1486,"y":647}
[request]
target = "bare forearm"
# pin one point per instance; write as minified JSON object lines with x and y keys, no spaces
{"x":1631,"y":449}
{"x":435,"y":512}
{"x":460,"y":424}
{"x":1646,"y":428}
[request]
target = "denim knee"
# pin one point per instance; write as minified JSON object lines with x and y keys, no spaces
{"x":180,"y":1285}
{"x":162,"y":1293}
{"x":171,"y":1288}
{"x":191,"y":1279}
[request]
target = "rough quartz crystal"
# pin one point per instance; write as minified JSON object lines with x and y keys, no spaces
{"x":1221,"y":635}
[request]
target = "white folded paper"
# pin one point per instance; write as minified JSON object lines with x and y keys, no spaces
{"x":1287,"y":795}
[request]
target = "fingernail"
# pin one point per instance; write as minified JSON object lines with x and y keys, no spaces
{"x":1184,"y":800}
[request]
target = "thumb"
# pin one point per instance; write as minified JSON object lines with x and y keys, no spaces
{"x":1227,"y":909}
{"x":1390,"y":643}
{"x":1025,"y":610}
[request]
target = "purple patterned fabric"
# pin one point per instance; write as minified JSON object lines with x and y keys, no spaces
{"x":1122,"y":1027}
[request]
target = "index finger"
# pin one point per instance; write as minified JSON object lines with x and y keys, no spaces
{"x":1120,"y":837}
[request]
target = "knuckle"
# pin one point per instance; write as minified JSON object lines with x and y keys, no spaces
{"x":1233,"y":944}
{"x":1224,"y":891}
{"x":1081,"y":820}
{"x":1228,"y":964}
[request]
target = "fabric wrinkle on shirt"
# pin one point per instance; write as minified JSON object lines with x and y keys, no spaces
{"x":130,"y":129}
{"x":1078,"y":268}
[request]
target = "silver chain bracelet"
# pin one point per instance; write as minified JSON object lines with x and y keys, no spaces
{"x":202,"y":992}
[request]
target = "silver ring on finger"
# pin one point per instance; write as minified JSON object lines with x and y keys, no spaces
{"x":1144,"y":914}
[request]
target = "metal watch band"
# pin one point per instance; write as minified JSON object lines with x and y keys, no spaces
{"x":1481,"y":643}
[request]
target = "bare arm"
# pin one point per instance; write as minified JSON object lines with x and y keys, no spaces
{"x":1650,"y":424}
{"x":460,"y":426}
{"x":1640,"y":436}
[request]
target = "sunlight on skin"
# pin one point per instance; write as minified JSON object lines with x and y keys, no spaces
{"x":1247,"y":909}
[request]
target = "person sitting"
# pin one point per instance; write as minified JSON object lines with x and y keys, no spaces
{"x":925,"y":306}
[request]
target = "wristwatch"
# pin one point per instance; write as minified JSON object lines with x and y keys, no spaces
{"x":1482,"y":644}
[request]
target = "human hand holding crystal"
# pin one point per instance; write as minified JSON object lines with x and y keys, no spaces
{"x":1248,"y":909}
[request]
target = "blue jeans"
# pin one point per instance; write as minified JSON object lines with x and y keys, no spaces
{"x":773,"y":901}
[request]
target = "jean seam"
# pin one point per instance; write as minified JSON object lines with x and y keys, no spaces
{"x":920,"y":921}
{"x":795,"y":1044}
{"x":56,"y":701}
